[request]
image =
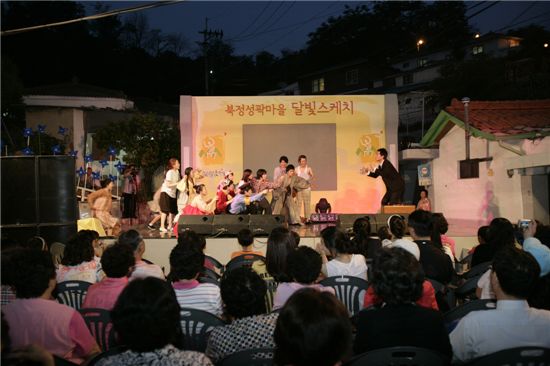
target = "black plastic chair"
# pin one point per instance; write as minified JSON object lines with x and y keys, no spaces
{"x":402,"y":356}
{"x":349,"y":290}
{"x":205,"y":279}
{"x":251,"y":357}
{"x":521,"y":356}
{"x":207,"y":272}
{"x":467,"y":290}
{"x":245,"y":260}
{"x":72,"y":293}
{"x":445,"y":296}
{"x":59,"y":361}
{"x":111,"y":352}
{"x":270,"y":294}
{"x":216,"y":263}
{"x":477,"y":270}
{"x":101,"y":327}
{"x":461,"y":311}
{"x":196,"y":326}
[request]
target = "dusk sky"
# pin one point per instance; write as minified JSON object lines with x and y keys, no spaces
{"x":254,"y":26}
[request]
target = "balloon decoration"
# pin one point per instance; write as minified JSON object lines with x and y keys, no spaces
{"x":27,"y":132}
{"x":28,"y":151}
{"x":112,"y":178}
{"x":104,"y":163}
{"x":73,"y":153}
{"x":41,"y":129}
{"x":112,"y":151}
{"x":62,"y":131}
{"x":81,"y":171}
{"x":88,"y":158}
{"x":56,"y":149}
{"x":96,"y":175}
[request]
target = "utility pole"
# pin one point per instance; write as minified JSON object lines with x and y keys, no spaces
{"x":207,"y":34}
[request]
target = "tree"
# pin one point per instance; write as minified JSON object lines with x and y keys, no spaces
{"x":148,"y":141}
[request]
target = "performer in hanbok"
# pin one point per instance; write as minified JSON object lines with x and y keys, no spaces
{"x":200,"y":204}
{"x":186,"y":193}
{"x":101,"y":203}
{"x":289,"y":185}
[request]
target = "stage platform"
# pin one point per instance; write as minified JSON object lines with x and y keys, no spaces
{"x":159,"y":245}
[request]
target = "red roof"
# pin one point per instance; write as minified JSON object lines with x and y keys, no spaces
{"x":505,"y":118}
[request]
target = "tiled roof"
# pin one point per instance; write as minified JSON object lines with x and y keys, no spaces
{"x":75,"y":90}
{"x":505,"y":118}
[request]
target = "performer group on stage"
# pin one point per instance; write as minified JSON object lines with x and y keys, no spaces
{"x":185,"y":195}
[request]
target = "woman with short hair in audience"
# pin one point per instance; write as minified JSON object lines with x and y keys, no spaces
{"x":79,"y":262}
{"x":117,"y":263}
{"x":243,"y":294}
{"x":142,"y":269}
{"x":35,"y":318}
{"x":313,"y":328}
{"x":397,"y":279}
{"x":304,"y":267}
{"x":146,"y":318}
{"x":364,"y":243}
{"x":343,"y":262}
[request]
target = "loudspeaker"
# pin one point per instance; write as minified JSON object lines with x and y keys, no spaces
{"x":263,"y":224}
{"x":345,"y":221}
{"x":468,"y":169}
{"x":230,"y":224}
{"x":201,"y":224}
{"x":39,"y":197}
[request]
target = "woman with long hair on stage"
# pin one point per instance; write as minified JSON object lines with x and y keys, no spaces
{"x":167,"y":202}
{"x":185,"y":187}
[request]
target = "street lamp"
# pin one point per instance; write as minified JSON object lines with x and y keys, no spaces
{"x":419,"y":43}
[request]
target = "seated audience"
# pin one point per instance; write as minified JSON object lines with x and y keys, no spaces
{"x":397,"y":228}
{"x":245,"y":237}
{"x":343,"y":262}
{"x":397,"y":280}
{"x":243,"y":294}
{"x":499,"y":235}
{"x":440,"y":228}
{"x":146,"y":319}
{"x":435,"y":263}
{"x":79,"y":262}
{"x":117,"y":262}
{"x":540,"y":297}
{"x":513,"y":323}
{"x":142,"y":269}
{"x":365,"y":245}
{"x":8,"y":272}
{"x":34,"y":318}
{"x":313,"y":328}
{"x":280,"y":243}
{"x":186,"y":263}
{"x":189,"y":238}
{"x":384,"y":235}
{"x":304,"y":266}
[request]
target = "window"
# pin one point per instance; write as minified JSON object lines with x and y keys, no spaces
{"x":318,"y":85}
{"x":476,"y":50}
{"x":513,"y":43}
{"x":423,"y":62}
{"x":352,"y":77}
{"x":407,"y":79}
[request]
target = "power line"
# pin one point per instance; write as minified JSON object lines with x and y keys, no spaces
{"x":264,"y":23}
{"x":255,"y":19}
{"x":90,"y":17}
{"x":523,"y":21}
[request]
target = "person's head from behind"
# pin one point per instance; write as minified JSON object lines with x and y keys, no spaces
{"x":501,"y":233}
{"x":440,"y":224}
{"x":106,"y":183}
{"x":245,"y":237}
{"x":341,"y":244}
{"x":397,"y":226}
{"x":185,"y":263}
{"x":280,"y":242}
{"x":247,"y":190}
{"x":328,"y":235}
{"x":304,"y":265}
{"x":420,"y":224}
{"x":190,"y":239}
{"x":117,"y":260}
{"x":33,"y":273}
{"x":515,"y":273}
{"x":134,"y":240}
{"x":482,"y":234}
{"x":187,"y":172}
{"x":381,"y":154}
{"x":397,"y":276}
{"x":296,"y":237}
{"x":79,"y":249}
{"x":146,"y":315}
{"x":384,"y":233}
{"x":361,"y":227}
{"x":243,"y":293}
{"x":313,"y":328}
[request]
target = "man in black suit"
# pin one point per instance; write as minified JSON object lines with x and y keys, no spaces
{"x":395,"y":185}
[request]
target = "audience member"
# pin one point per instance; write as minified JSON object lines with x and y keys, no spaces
{"x":397,"y":226}
{"x":499,"y":235}
{"x":34,"y":318}
{"x":304,"y":266}
{"x":344,"y":263}
{"x":364,"y":243}
{"x":540,"y":297}
{"x":79,"y":262}
{"x":435,"y":263}
{"x":245,"y":237}
{"x":296,"y":237}
{"x":36,"y":242}
{"x":384,"y":235}
{"x":398,"y":280}
{"x":7,"y":276}
{"x":186,"y":263}
{"x":513,"y":323}
{"x":280,"y":243}
{"x":146,"y":319}
{"x":243,"y":294}
{"x":142,"y":269}
{"x":189,"y":238}
{"x":440,"y":228}
{"x":117,"y":262}
{"x":313,"y":328}
{"x":482,"y":238}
